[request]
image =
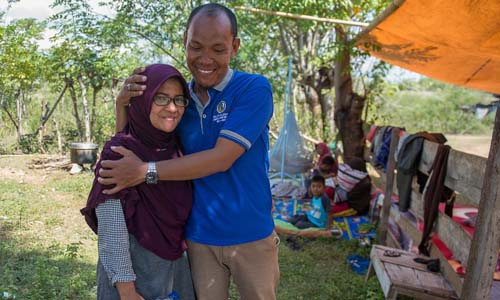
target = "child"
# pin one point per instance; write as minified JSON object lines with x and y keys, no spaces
{"x":327,"y":169}
{"x":319,"y":215}
{"x":353,"y":188}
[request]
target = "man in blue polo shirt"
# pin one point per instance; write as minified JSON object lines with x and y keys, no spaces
{"x":224,"y":132}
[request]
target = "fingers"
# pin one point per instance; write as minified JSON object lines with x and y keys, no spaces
{"x":139,"y":70}
{"x":135,"y":81}
{"x":132,"y":87}
{"x":114,"y":190}
{"x":106,"y":173}
{"x":121,"y":150}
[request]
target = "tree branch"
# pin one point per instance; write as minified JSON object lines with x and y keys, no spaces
{"x":142,"y":35}
{"x":46,"y":117}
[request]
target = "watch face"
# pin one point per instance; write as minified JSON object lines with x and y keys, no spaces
{"x":151,"y":178}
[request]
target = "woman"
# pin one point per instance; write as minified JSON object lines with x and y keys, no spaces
{"x":141,"y":229}
{"x":323,"y":151}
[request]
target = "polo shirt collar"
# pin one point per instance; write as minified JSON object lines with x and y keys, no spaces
{"x":220,"y":87}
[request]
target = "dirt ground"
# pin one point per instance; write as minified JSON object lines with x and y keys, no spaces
{"x":33,"y":169}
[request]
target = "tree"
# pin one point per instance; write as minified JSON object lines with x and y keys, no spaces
{"x":88,"y":58}
{"x":21,"y":68}
{"x":321,"y":52}
{"x":322,"y":55}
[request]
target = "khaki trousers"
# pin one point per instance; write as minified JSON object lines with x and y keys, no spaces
{"x":253,"y":266}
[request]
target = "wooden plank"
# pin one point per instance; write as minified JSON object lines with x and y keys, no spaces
{"x":405,"y":259}
{"x":455,"y":237}
{"x":455,"y":280}
{"x":418,"y":295}
{"x":406,"y":280}
{"x":392,"y":241}
{"x":450,"y":232}
{"x":382,"y":276}
{"x":465,"y":172}
{"x":422,"y":283}
{"x":484,"y":250}
{"x":406,"y":225}
{"x":391,"y":166}
{"x":460,"y":199}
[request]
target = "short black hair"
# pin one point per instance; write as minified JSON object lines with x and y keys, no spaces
{"x":318,"y":178}
{"x":328,"y":160}
{"x":214,"y":9}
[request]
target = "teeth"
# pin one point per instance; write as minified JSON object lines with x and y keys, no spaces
{"x":205,"y":71}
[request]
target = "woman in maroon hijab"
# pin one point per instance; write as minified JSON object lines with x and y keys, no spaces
{"x":141,"y":229}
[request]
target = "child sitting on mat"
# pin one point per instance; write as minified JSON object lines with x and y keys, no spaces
{"x":319,"y":215}
{"x":353,"y":188}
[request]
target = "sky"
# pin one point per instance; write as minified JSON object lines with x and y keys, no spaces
{"x":40,"y":9}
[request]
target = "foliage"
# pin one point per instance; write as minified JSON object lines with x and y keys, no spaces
{"x":431,"y":106}
{"x":92,"y":53}
{"x":22,"y":64}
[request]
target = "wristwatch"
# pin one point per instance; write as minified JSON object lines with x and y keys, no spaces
{"x":151,"y":174}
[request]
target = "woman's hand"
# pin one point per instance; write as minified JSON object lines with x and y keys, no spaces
{"x":127,"y":291}
{"x":132,"y":87}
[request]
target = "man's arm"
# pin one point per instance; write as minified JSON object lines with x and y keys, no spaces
{"x":130,"y":170}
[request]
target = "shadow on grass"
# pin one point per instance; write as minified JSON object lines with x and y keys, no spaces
{"x":32,"y":271}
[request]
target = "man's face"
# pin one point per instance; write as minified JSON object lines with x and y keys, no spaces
{"x":209,"y":47}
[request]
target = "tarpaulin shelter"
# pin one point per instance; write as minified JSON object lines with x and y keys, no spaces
{"x":456,"y":41}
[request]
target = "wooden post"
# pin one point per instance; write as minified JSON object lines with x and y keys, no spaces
{"x":389,"y":184}
{"x":483,"y":254}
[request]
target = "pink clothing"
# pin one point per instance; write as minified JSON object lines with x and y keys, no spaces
{"x":324,"y":151}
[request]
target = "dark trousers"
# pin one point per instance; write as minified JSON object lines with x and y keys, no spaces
{"x":301,"y":221}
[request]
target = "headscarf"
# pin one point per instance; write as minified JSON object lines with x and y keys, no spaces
{"x":155,"y":214}
{"x":324,"y":151}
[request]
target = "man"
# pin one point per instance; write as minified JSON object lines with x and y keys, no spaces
{"x":224,"y":132}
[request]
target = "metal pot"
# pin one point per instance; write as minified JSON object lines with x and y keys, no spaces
{"x":83,"y":153}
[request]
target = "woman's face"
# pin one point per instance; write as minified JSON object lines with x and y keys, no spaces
{"x":167,"y":117}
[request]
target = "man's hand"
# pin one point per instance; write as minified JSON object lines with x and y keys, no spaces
{"x":133,"y":86}
{"x":126,"y":172}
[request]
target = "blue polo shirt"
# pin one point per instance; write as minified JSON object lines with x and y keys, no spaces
{"x":234,"y":206}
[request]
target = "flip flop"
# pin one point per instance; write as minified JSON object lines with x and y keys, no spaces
{"x":337,"y":232}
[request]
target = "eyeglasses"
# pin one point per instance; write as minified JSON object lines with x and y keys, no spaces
{"x":164,"y":100}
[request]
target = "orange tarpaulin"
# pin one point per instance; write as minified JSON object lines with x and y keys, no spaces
{"x":457,"y":41}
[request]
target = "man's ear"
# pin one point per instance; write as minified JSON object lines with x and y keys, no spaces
{"x":235,"y":45}
{"x":184,"y":39}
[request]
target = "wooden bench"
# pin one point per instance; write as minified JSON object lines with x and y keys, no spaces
{"x":403,"y":276}
{"x":476,"y":180}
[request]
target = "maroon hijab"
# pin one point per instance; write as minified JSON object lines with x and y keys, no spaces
{"x":155,"y":214}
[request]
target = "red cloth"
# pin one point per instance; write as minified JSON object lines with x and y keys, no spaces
{"x":330,"y":192}
{"x":340,"y":207}
{"x":371,"y":134}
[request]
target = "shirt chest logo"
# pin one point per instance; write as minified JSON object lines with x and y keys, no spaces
{"x":221,"y":106}
{"x":221,"y":115}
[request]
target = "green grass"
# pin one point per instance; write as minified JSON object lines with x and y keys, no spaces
{"x":48,"y":252}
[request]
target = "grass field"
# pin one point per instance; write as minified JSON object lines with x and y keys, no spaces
{"x":48,"y":252}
